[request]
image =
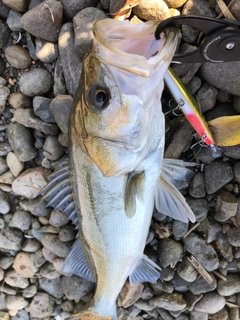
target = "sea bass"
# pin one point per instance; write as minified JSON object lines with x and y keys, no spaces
{"x":117,"y":171}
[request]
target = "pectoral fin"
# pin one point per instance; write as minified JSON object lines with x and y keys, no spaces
{"x":133,"y":192}
{"x":145,"y":272}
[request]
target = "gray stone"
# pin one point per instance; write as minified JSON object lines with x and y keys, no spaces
{"x":221,"y":110}
{"x":58,"y":218}
{"x":4,"y":93}
{"x":4,"y":34}
{"x":18,"y":5}
{"x":210,"y":303}
{"x":194,"y":85}
{"x":226,"y":206}
{"x":203,"y":154}
{"x":197,"y":187}
{"x":201,"y":286}
{"x":13,"y":279}
{"x":169,"y":252}
{"x":233,"y":236}
{"x":44,"y":20}
{"x":31,"y":245}
{"x":230,"y":286}
{"x":236,"y":170}
{"x":180,"y":284}
{"x":5,"y":148}
{"x":217,"y":174}
{"x":199,"y":7}
{"x":67,"y":233}
{"x":173,"y":302}
{"x":16,"y":302}
{"x":21,"y":315}
{"x":52,"y":148}
{"x":226,"y":73}
{"x":72,"y":7}
{"x":27,"y":118}
{"x":186,"y":270}
{"x":210,"y":229}
{"x":4,"y":12}
{"x":10,"y":239}
{"x":13,"y":20}
{"x":59,"y":86}
{"x":83,"y":24}
{"x":75,"y":287}
{"x":46,"y":51}
{"x":147,"y":10}
{"x":52,"y":287}
{"x":4,"y":203}
{"x":199,"y":207}
{"x":236,"y":104}
{"x":19,"y":100}
{"x":189,"y":34}
{"x":15,"y":166}
{"x":232,"y":152}
{"x":70,"y":60}
{"x":37,"y":207}
{"x":41,"y":107}
{"x":129,"y":294}
{"x":203,"y":252}
{"x":21,"y":220}
{"x":6,"y":262}
{"x":3,"y":165}
{"x":29,"y":292}
{"x":223,"y":247}
{"x":18,"y":57}
{"x":207,"y":97}
{"x":61,"y":249}
{"x":35,"y":82}
{"x":179,"y":228}
{"x":196,"y":315}
{"x":42,"y":305}
{"x":221,"y":315}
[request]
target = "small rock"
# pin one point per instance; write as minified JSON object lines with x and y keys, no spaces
{"x":230,"y":286}
{"x":60,"y":108}
{"x":52,"y":148}
{"x":5,"y":148}
{"x":41,"y":107}
{"x":49,"y":255}
{"x":16,"y":302}
{"x":179,"y":228}
{"x":63,"y":140}
{"x":201,"y":286}
{"x":15,"y":166}
{"x":7,"y":177}
{"x":29,"y":292}
{"x":44,"y":20}
{"x":4,"y":93}
{"x":196,"y":315}
{"x":37,"y":207}
{"x":18,"y":5}
{"x":152,"y":10}
{"x":186,"y":270}
{"x":221,"y":315}
{"x":210,"y":303}
{"x":217,"y":174}
{"x":13,"y":20}
{"x":207,"y":97}
{"x":199,"y":207}
{"x":52,"y":287}
{"x":72,"y":7}
{"x":59,"y":86}
{"x":10,"y":239}
{"x":19,"y":100}
{"x":236,"y":170}
{"x":199,"y":7}
{"x":4,"y":203}
{"x":236,"y":104}
{"x":130,"y":294}
{"x":204,"y":253}
{"x":67,"y":233}
{"x":21,"y":220}
{"x":171,"y":302}
{"x":31,"y":245}
{"x":30,"y":183}
{"x":61,"y":249}
{"x":210,"y":229}
{"x":83,"y":24}
{"x":3,"y":165}
{"x":48,"y":271}
{"x":4,"y":12}
{"x":18,"y":57}
{"x":46,"y":51}
{"x":226,"y":206}
{"x":223,"y":247}
{"x":35,"y":82}
{"x":70,"y":60}
{"x":21,"y":315}
{"x":1,"y":274}
{"x":221,"y":110}
{"x":169,"y":252}
{"x":194,"y":85}
{"x":203,"y":154}
{"x":14,"y":279}
{"x":42,"y":305}
{"x":143,"y":305}
{"x":232,"y":152}
{"x":197,"y":187}
{"x":22,"y":142}
{"x":226,"y":73}
{"x":24,"y":265}
{"x":6,"y":262}
{"x":233,"y":237}
{"x":4,"y":34}
{"x":75,"y":287}
{"x":27,"y":118}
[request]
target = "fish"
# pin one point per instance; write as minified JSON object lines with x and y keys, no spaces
{"x":116,"y":172}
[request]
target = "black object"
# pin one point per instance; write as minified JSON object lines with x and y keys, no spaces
{"x":219,"y":41}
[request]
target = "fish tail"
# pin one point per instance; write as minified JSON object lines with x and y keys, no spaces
{"x":90,"y":313}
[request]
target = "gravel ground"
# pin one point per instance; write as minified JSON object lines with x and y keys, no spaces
{"x":42,"y":44}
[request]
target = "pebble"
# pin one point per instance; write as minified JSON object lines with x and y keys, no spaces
{"x":20,"y":315}
{"x":35,"y":82}
{"x":31,"y":245}
{"x":175,"y":3}
{"x":15,"y":166}
{"x":44,"y":20}
{"x":203,"y":252}
{"x":72,"y":7}
{"x":16,"y":302}
{"x":49,"y":255}
{"x":41,"y":107}
{"x":230,"y":286}
{"x":14,"y":279}
{"x":10,"y":239}
{"x":60,"y":107}
{"x":3,"y":165}
{"x":186,"y":270}
{"x":4,"y":203}
{"x":6,"y":262}
{"x":4,"y":93}
{"x":21,"y":220}
{"x":152,"y":10}
{"x":200,"y":286}
{"x":196,"y":315}
{"x":226,"y":206}
{"x":42,"y":305}
{"x":171,"y":302}
{"x":24,"y":265}
{"x":4,"y":10}
{"x":236,"y":104}
{"x":47,"y":271}
{"x":210,"y":303}
{"x":226,"y":73}
{"x":83,"y":24}
{"x":233,"y":236}
{"x":179,"y":228}
{"x":198,"y":7}
{"x":19,"y":100}
{"x":37,"y":207}
{"x":30,"y":291}
{"x":59,"y":86}
{"x":67,"y":233}
{"x":206,"y":97}
{"x":52,"y":148}
{"x":5,"y":148}
{"x":217,"y":174}
{"x":75,"y":287}
{"x":6,"y":178}
{"x":70,"y":60}
{"x":197,"y":187}
{"x":4,"y":34}
{"x":236,"y":170}
{"x":13,"y":20}
{"x":18,"y":5}
{"x":199,"y":207}
{"x":30,"y":183}
{"x":223,"y":247}
{"x":18,"y":57}
{"x":169,"y":252}
{"x":46,"y":51}
{"x":210,"y":229}
{"x":220,"y":315}
{"x":52,"y":287}
{"x":27,"y":118}
{"x":232,"y":152}
{"x":58,"y":218}
{"x":130,"y":294}
{"x":61,"y":249}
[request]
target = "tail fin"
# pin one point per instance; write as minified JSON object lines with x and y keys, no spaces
{"x":89,"y":315}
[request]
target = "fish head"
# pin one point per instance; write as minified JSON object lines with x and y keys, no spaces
{"x":117,"y":117}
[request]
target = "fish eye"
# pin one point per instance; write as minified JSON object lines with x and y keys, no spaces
{"x":98,"y":97}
